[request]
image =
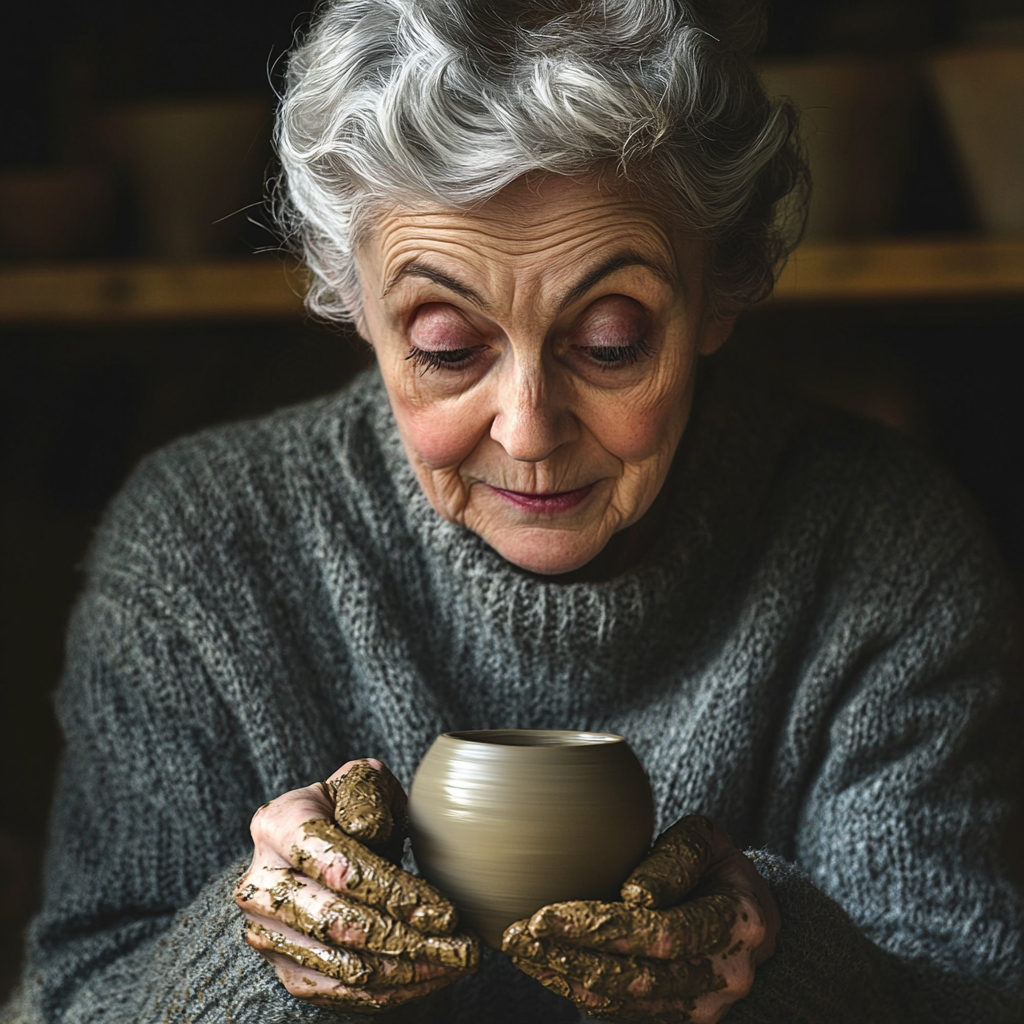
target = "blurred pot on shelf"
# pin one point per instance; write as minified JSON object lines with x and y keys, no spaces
{"x":857,"y":122}
{"x":194,"y":164}
{"x":54,"y":212}
{"x":981,"y":91}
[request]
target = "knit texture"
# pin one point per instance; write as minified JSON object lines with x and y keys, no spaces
{"x":820,"y":651}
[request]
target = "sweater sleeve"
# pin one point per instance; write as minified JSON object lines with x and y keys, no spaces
{"x":148,"y":835}
{"x":157,"y":786}
{"x":900,"y":896}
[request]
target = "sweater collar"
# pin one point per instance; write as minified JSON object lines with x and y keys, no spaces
{"x":487,"y":608}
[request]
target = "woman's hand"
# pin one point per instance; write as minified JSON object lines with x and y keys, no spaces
{"x":656,"y":956}
{"x":327,"y":905}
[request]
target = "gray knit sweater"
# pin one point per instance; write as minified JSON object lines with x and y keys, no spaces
{"x":820,"y":652}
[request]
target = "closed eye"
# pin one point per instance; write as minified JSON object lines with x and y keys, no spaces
{"x":435,"y":333}
{"x":611,"y":357}
{"x":612,"y":334}
{"x":429,"y":360}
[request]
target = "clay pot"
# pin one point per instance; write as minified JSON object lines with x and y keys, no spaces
{"x":857,"y":118}
{"x":981,"y":91}
{"x":194,"y":165}
{"x":54,"y":212}
{"x":508,"y":821}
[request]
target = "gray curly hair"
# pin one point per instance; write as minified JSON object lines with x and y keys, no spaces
{"x":449,"y":101}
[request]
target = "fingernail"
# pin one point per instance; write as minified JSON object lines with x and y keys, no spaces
{"x":638,"y":895}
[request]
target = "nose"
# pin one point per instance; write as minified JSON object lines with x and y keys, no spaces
{"x":530,"y":421}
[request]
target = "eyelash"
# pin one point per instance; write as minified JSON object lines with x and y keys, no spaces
{"x":429,"y":360}
{"x":621,"y":355}
{"x":444,"y":359}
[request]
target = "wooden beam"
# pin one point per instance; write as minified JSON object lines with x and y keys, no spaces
{"x":134,"y":291}
{"x":898,"y":270}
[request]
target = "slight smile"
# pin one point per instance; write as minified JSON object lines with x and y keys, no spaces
{"x":562,"y":501}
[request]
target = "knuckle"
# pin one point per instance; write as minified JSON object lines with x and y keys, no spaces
{"x":258,"y":824}
{"x":742,"y":984}
{"x":753,"y":929}
{"x":244,"y":891}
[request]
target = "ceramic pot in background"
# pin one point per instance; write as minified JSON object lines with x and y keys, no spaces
{"x":508,"y":821}
{"x":857,"y":122}
{"x":981,"y":91}
{"x":56,"y":212}
{"x":194,"y":164}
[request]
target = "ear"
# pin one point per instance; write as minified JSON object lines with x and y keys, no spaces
{"x":715,"y":333}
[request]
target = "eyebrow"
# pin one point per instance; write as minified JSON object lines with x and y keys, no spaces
{"x":617,"y":261}
{"x":417,"y":269}
{"x":627,"y":258}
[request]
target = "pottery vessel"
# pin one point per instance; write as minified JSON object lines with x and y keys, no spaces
{"x":857,"y":124}
{"x":981,"y":91}
{"x":507,"y":821}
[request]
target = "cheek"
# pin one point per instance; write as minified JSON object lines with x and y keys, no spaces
{"x":637,"y":428}
{"x":633,"y":436}
{"x":647,"y":420}
{"x":441,"y":434}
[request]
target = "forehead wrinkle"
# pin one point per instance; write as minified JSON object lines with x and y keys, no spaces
{"x":461,"y":243}
{"x":517,"y":232}
{"x":658,"y":253}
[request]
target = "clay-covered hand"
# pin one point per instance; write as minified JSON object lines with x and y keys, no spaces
{"x":658,"y":956}
{"x":326,"y":903}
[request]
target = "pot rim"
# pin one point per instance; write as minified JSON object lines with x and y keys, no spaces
{"x":533,"y":738}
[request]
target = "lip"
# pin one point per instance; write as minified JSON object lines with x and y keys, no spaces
{"x":561,"y":501}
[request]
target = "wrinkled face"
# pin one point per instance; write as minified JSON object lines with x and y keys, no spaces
{"x":539,"y":356}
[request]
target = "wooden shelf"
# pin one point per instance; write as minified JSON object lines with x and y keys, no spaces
{"x":116,"y":291}
{"x":904,"y":270}
{"x":111,"y":292}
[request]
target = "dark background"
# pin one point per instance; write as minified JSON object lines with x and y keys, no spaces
{"x":79,"y":407}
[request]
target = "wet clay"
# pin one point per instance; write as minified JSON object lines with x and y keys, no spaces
{"x":380,"y":932}
{"x":614,"y":977}
{"x":698,"y":927}
{"x":373,"y":979}
{"x":375,"y":881}
{"x":676,"y":863}
{"x":364,"y":799}
{"x":364,"y":970}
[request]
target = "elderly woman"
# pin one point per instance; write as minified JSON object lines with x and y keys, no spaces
{"x":540,"y":510}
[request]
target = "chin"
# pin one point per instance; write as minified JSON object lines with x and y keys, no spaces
{"x":547,"y":552}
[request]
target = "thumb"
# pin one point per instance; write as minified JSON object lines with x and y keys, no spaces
{"x":369,"y":802}
{"x":678,"y":859}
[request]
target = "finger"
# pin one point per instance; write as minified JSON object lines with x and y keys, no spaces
{"x":369,"y":802}
{"x":697,"y":927}
{"x":679,"y":858}
{"x":331,"y":994}
{"x":361,"y":969}
{"x":301,"y":903}
{"x":610,"y":976}
{"x":343,"y":864}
